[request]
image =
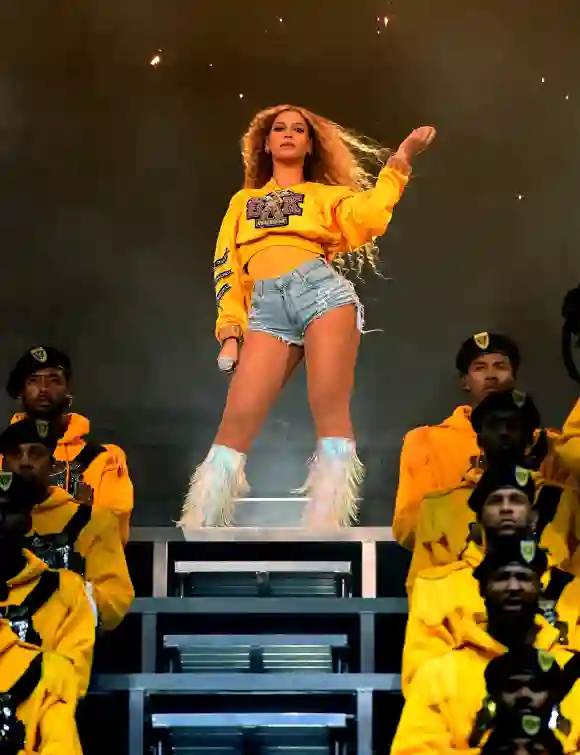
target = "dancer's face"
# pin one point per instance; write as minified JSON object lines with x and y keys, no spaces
{"x":507,"y":511}
{"x":504,"y":436}
{"x":487,"y":374}
{"x":289,"y":140}
{"x":45,"y":393}
{"x":525,"y":692}
{"x":33,"y":461}
{"x":512,"y":591}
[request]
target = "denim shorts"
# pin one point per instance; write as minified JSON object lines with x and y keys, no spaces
{"x":285,"y":306}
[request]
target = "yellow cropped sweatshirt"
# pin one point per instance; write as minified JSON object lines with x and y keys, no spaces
{"x":325,"y":220}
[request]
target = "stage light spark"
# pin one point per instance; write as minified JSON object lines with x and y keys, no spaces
{"x":386,"y":20}
{"x":156,"y":59}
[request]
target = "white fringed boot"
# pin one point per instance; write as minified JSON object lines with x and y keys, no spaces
{"x":213,"y":489}
{"x":333,"y":483}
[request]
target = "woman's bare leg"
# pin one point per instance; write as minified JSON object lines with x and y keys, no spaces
{"x":331,"y":348}
{"x":265,"y":365}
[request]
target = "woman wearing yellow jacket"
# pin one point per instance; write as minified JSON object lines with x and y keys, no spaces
{"x":65,"y":533}
{"x":443,"y":597}
{"x":306,"y":200}
{"x":33,"y":719}
{"x":447,"y":693}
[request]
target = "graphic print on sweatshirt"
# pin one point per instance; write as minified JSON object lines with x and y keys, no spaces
{"x":275,"y":209}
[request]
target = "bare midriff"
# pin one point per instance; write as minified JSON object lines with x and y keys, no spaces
{"x":274,"y":261}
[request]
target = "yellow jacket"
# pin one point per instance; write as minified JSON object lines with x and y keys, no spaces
{"x":444,"y":597}
{"x":49,"y":721}
{"x":98,"y":543}
{"x":436,"y":458}
{"x":64,"y":622}
{"x":447,"y":693}
{"x":446,"y":520}
{"x":107,"y":474}
{"x":568,"y":446}
{"x":326,"y":220}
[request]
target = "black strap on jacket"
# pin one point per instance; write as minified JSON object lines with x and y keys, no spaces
{"x":20,"y":617}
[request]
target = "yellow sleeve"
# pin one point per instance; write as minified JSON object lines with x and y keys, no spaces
{"x":114,"y":489}
{"x":422,"y":552}
{"x":57,"y":732}
{"x":423,"y":727}
{"x":106,"y":568}
{"x":364,"y":215}
{"x":425,"y":636}
{"x":567,"y":447}
{"x":415,"y":481}
{"x":233,"y":287}
{"x":75,"y":638}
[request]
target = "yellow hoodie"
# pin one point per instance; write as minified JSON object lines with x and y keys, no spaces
{"x":446,"y":522}
{"x":325,"y":220}
{"x":568,"y":446}
{"x":447,"y":692}
{"x":107,"y":474}
{"x":49,"y":721}
{"x":99,"y":545}
{"x":437,"y":458}
{"x":64,"y":621}
{"x":445,"y":596}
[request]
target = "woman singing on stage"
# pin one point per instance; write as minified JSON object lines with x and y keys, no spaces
{"x":307,"y":199}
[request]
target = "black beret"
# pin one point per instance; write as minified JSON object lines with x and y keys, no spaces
{"x":525,"y":659}
{"x":511,"y":550}
{"x":15,"y":489}
{"x":501,"y":476}
{"x":486,"y":343}
{"x":36,"y":358}
{"x":507,"y":401}
{"x":29,"y":431}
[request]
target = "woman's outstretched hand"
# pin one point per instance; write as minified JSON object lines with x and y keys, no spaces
{"x":229,"y":356}
{"x":417,"y":141}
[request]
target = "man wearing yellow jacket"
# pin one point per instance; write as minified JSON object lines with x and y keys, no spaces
{"x":33,"y":718}
{"x":65,"y":533}
{"x":436,"y":457}
{"x":445,"y":595}
{"x":525,"y":690}
{"x":44,"y":607}
{"x":505,"y":423}
{"x":447,"y":693}
{"x":41,"y":381}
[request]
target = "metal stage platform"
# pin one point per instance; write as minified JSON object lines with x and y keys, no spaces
{"x":245,"y":634}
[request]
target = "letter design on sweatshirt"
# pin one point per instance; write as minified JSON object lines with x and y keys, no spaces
{"x":275,"y":209}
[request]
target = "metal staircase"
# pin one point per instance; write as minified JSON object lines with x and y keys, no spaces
{"x":252,"y":641}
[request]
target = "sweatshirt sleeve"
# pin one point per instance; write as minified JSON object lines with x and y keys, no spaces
{"x":424,"y":639}
{"x":423,"y":727}
{"x":75,"y":638}
{"x":56,"y":731}
{"x":232,"y":285}
{"x":106,"y":568}
{"x":362,"y":216}
{"x":415,"y":481}
{"x":112,"y":487}
{"x":567,"y":447}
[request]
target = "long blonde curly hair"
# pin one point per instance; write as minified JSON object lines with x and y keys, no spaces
{"x":339,"y":158}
